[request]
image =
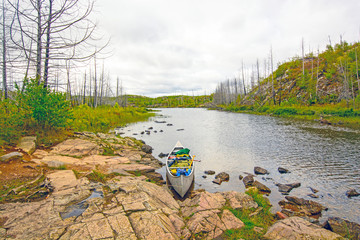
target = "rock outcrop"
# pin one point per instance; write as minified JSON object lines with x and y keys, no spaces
{"x":343,"y":227}
{"x":27,"y":144}
{"x":295,"y":206}
{"x":300,"y":229}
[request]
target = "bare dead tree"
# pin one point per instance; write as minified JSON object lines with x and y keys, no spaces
{"x":272,"y":75}
{"x":243,"y":77}
{"x":357,"y":70}
{"x":4,"y":77}
{"x":317,"y":73}
{"x":61,"y":30}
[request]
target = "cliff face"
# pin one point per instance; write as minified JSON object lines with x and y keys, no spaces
{"x":329,"y":77}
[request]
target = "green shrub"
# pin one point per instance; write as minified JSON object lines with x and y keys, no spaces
{"x":43,"y":107}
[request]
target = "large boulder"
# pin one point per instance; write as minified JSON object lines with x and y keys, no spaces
{"x":301,"y":207}
{"x":248,"y":181}
{"x":146,"y":148}
{"x":343,"y":227}
{"x":202,"y":201}
{"x":260,"y":171}
{"x":27,"y":144}
{"x":223,"y":176}
{"x":262,"y":188}
{"x":239,"y":200}
{"x":300,"y":229}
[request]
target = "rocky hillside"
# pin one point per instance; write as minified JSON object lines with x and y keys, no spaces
{"x":327,"y":77}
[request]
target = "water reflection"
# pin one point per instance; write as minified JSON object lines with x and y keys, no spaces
{"x":318,"y":156}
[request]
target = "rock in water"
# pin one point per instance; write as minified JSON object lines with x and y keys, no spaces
{"x":352,"y":193}
{"x":301,"y":207}
{"x":260,"y":171}
{"x":146,"y":148}
{"x":286,"y":188}
{"x":217,"y":181}
{"x":248,"y":181}
{"x":343,"y":227}
{"x":314,"y":190}
{"x":283,"y":170}
{"x":298,"y":228}
{"x":161,"y":155}
{"x":209,"y":172}
{"x":223,"y":176}
{"x":261,"y":187}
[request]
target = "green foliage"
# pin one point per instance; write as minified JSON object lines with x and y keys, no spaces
{"x":262,"y":219}
{"x":11,"y":122}
{"x":47,"y":109}
{"x":35,"y":109}
{"x":170,"y":101}
{"x":103,"y":118}
{"x":97,"y":176}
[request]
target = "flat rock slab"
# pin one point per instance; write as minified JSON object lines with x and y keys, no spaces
{"x":27,"y":144}
{"x":62,"y":180}
{"x":298,"y":228}
{"x":135,"y":167}
{"x":239,"y":200}
{"x":58,"y":158}
{"x":39,"y":154}
{"x":10,"y":156}
{"x":203,"y":201}
{"x":103,"y":160}
{"x":76,"y":148}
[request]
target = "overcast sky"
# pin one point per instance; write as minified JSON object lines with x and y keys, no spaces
{"x":167,"y":47}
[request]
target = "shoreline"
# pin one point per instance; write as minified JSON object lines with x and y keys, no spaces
{"x":124,"y":171}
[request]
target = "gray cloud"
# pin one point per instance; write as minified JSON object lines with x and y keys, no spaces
{"x":169,"y":47}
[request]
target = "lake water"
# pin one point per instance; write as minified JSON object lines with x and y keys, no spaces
{"x":319,"y":156}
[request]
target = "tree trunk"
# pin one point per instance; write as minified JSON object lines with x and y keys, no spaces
{"x":272,"y":77}
{"x":38,"y":43}
{"x":47,"y":48}
{"x":4,"y":54}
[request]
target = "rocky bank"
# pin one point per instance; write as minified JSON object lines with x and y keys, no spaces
{"x":134,"y":204}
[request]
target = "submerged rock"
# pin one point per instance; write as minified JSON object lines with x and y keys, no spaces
{"x":283,"y":170}
{"x":286,"y":188}
{"x":162,"y":155}
{"x":260,"y":171}
{"x":209,"y":172}
{"x":217,"y":181}
{"x":352,"y":193}
{"x":314,"y":190}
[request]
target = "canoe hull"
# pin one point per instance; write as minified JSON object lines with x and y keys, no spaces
{"x":181,"y":184}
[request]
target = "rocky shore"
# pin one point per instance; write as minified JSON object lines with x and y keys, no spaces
{"x":132,"y":201}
